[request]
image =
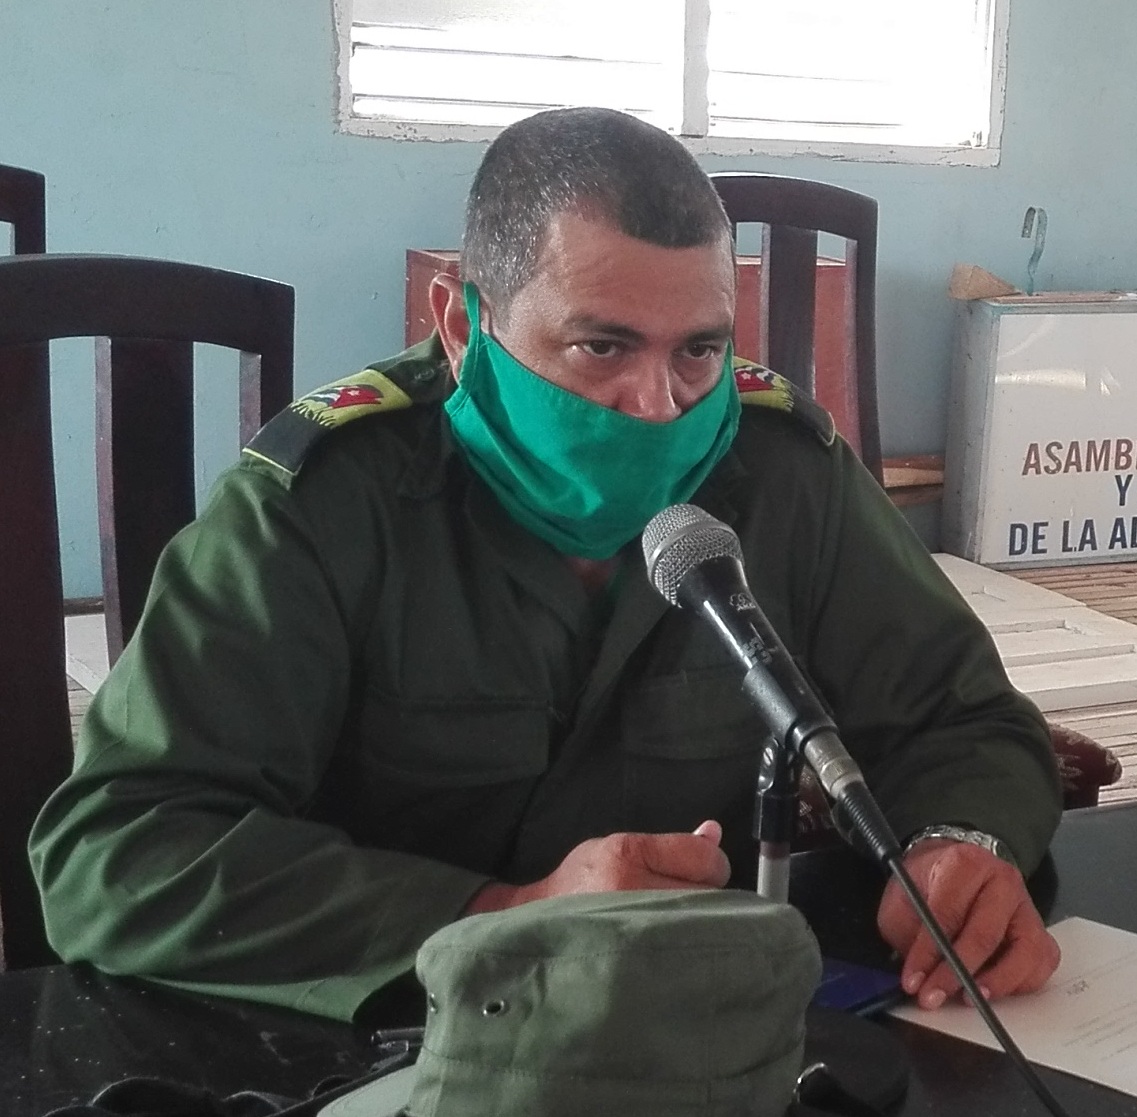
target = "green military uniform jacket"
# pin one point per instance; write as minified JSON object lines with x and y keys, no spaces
{"x":359,"y":691}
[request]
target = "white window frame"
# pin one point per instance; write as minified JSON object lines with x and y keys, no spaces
{"x":694,"y":109}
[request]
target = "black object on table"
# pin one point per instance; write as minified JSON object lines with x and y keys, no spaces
{"x":65,"y":1032}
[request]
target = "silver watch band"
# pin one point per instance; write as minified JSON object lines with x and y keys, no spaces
{"x":960,"y":834}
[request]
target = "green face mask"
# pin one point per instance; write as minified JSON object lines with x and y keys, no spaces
{"x":583,"y":477}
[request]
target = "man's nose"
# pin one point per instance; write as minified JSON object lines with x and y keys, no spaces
{"x":650,"y":393}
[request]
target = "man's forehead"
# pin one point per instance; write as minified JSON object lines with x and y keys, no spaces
{"x":586,"y":253}
{"x":572,"y":234}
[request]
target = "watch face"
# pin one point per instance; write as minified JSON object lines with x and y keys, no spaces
{"x":1002,"y":850}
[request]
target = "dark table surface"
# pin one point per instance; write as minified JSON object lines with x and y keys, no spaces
{"x":67,"y":1031}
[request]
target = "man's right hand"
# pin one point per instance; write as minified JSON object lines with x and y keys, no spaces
{"x":621,"y":863}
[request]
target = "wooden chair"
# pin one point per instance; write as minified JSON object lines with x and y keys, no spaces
{"x":145,"y":316}
{"x":792,"y":212}
{"x":22,"y":206}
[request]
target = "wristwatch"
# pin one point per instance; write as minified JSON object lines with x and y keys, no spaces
{"x":960,"y":834}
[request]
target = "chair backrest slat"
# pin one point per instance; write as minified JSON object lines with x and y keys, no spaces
{"x":144,"y":466}
{"x":788,"y":293}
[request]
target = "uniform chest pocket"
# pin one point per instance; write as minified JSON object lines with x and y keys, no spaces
{"x":690,"y":746}
{"x":455,"y":743}
{"x":691,"y":715}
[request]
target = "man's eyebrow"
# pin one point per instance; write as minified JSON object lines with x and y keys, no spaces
{"x":716,"y":333}
{"x":587,"y":322}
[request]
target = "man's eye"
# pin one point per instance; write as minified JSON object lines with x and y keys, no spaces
{"x":600,"y":348}
{"x":701,"y":350}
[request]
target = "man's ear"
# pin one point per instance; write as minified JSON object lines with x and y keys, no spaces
{"x":448,"y":306}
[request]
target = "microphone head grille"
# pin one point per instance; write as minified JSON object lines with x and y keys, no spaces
{"x":678,"y":539}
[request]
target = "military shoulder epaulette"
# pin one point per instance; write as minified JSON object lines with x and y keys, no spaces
{"x":762,"y":387}
{"x":287,"y":439}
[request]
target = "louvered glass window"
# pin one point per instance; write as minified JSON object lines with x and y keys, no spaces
{"x":733,"y":75}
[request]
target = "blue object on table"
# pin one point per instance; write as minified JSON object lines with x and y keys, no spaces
{"x":850,"y":987}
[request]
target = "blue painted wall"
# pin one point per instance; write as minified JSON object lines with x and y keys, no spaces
{"x":204,"y":132}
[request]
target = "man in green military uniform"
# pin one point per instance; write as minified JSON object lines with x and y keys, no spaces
{"x":407,"y":666}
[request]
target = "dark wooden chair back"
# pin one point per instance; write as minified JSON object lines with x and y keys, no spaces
{"x":22,"y":206}
{"x":145,"y":316}
{"x":792,"y":212}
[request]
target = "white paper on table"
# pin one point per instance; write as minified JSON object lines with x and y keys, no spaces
{"x":1085,"y":1019}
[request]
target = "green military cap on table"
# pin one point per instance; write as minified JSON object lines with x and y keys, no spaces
{"x":636,"y":1004}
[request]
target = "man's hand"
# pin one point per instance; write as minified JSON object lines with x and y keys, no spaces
{"x":982,"y":904}
{"x":622,"y":863}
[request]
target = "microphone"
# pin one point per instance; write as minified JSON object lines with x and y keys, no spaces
{"x":695,"y":562}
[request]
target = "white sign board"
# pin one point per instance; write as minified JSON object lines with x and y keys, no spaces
{"x":1042,"y":437}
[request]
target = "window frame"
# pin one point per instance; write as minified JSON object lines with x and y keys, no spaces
{"x":694,"y":110}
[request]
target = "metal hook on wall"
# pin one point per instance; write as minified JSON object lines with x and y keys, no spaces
{"x":1034,"y":223}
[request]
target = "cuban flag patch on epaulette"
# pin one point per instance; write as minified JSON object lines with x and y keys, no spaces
{"x":759,"y":386}
{"x":343,"y":400}
{"x":287,"y":439}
